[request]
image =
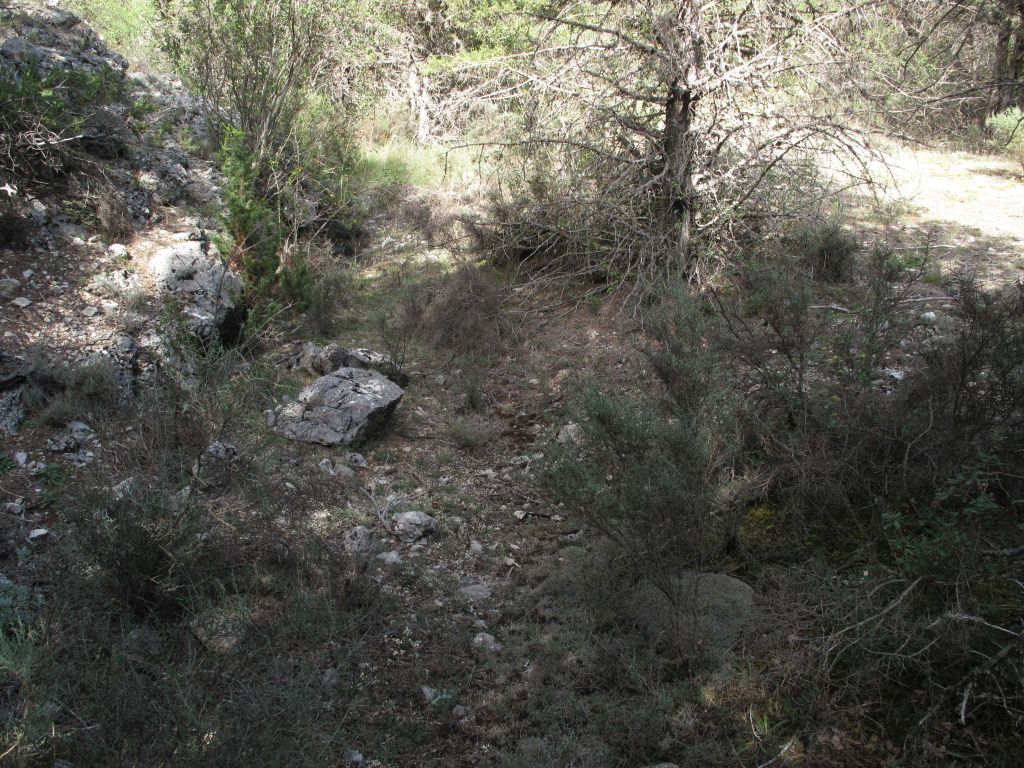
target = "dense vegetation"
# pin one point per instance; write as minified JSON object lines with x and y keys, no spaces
{"x":815,"y":411}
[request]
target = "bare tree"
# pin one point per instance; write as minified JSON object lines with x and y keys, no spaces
{"x":670,"y":120}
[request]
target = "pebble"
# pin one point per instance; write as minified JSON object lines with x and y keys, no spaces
{"x":21,"y":302}
{"x":486,"y":642}
{"x":390,"y":558}
{"x":38,"y":533}
{"x":476,"y":547}
{"x":474,"y":590}
{"x":21,"y":458}
{"x":8,"y":286}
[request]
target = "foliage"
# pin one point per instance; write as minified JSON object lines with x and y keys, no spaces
{"x":828,"y":250}
{"x":1008,"y":133}
{"x":649,"y":473}
{"x":911,"y":480}
{"x":60,"y":393}
{"x":127,"y":25}
{"x":43,"y":116}
{"x":254,"y":225}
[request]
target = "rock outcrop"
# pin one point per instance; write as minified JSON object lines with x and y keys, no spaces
{"x":340,"y":408}
{"x":209,"y":291}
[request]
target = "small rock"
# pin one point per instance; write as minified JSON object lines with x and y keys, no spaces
{"x":123,"y":489}
{"x":413,"y":525}
{"x":8,"y":286}
{"x":330,"y":678}
{"x":570,"y":434}
{"x":91,"y":311}
{"x":20,"y":49}
{"x":222,"y":450}
{"x":476,"y":547}
{"x":342,"y":407}
{"x":460,"y":712}
{"x":326,"y":466}
{"x":354,"y":758}
{"x":429,"y":694}
{"x":16,"y":508}
{"x":179,"y":500}
{"x":38,"y":534}
{"x":28,"y":274}
{"x":359,"y":540}
{"x":929,"y":318}
{"x":80,"y":459}
{"x":81,"y":431}
{"x":486,"y":642}
{"x":118,"y":251}
{"x":345,"y":472}
{"x":571,"y":539}
{"x":390,"y":558}
{"x":473,"y":590}
{"x":12,"y":410}
{"x":217,"y":633}
{"x":65,"y":443}
{"x":21,"y":458}
{"x":21,"y":302}
{"x":355,"y":460}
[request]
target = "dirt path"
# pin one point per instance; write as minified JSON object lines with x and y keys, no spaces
{"x":966,"y":209}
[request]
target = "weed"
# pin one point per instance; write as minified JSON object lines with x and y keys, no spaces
{"x":472,"y":432}
{"x":827,"y":250}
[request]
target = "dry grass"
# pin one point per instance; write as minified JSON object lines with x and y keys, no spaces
{"x":968,"y":208}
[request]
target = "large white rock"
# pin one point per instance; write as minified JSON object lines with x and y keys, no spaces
{"x":340,"y":408}
{"x":209,"y":291}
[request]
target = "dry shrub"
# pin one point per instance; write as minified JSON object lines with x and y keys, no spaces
{"x":434,"y":214}
{"x":467,"y":315}
{"x":113,"y":215}
{"x":882,"y":452}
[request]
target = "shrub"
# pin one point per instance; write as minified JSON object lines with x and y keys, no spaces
{"x":61,"y":393}
{"x":467,"y":314}
{"x":649,"y":473}
{"x":827,"y":250}
{"x":472,"y":432}
{"x":910,"y":479}
{"x":1008,"y":133}
{"x":256,"y":230}
{"x":113,"y":216}
{"x":127,"y":26}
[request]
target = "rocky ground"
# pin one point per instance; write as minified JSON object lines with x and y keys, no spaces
{"x":470,"y":599}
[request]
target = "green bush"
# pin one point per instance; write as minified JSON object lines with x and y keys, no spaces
{"x":1008,"y":133}
{"x":127,"y":25}
{"x":911,"y":478}
{"x":41,"y":117}
{"x":254,"y":225}
{"x":649,"y":471}
{"x":828,"y":250}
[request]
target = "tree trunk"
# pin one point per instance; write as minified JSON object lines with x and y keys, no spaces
{"x":1008,"y":67}
{"x":419,"y":101}
{"x":677,"y":185}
